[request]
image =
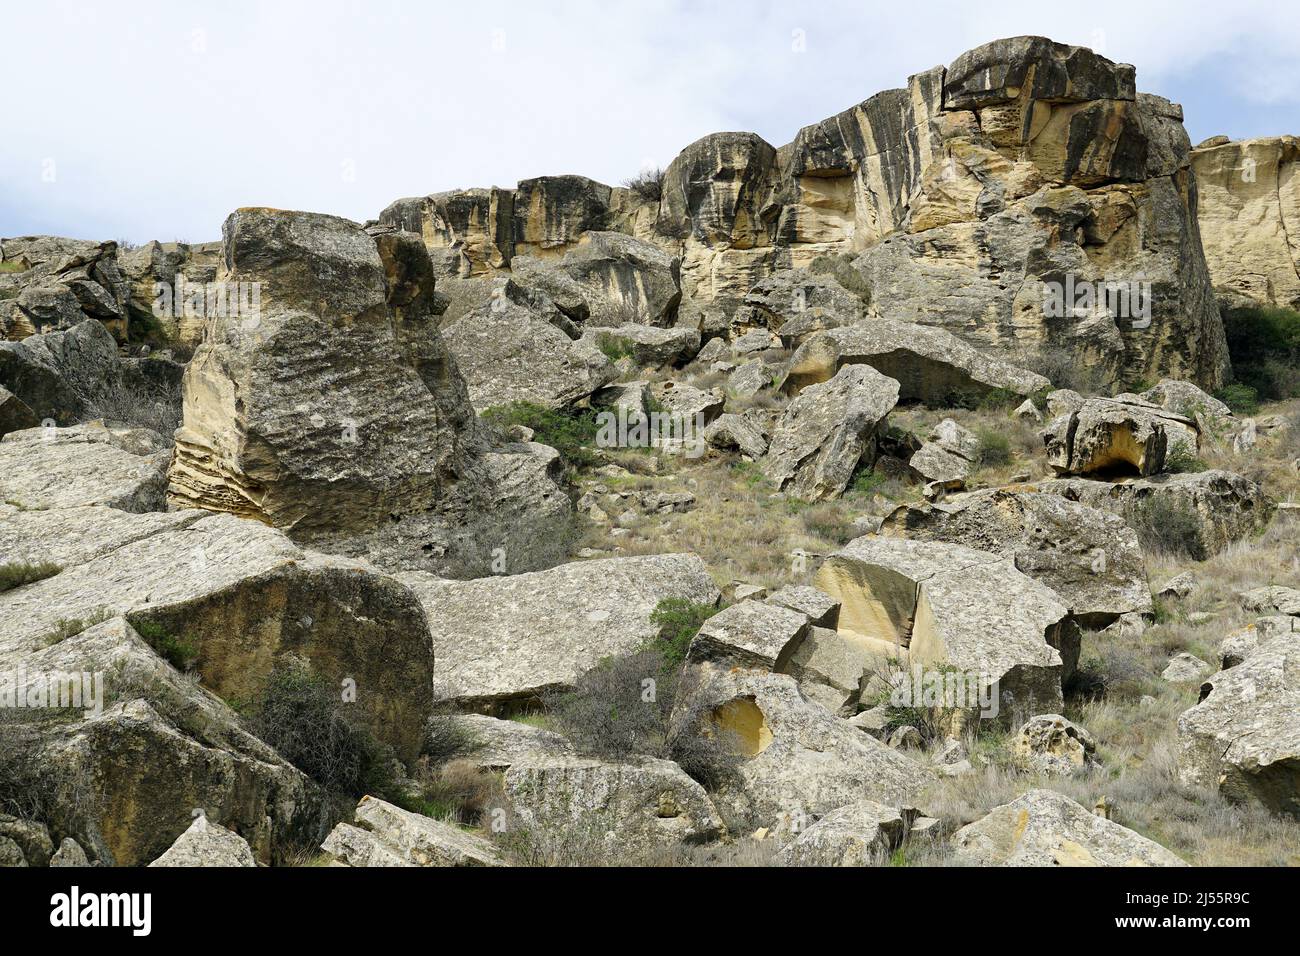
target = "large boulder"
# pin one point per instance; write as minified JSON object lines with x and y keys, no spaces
{"x":1089,"y":557}
{"x":957,"y":608}
{"x":930,"y":365}
{"x":1044,"y":828}
{"x":1242,"y":739}
{"x":827,"y":431}
{"x":646,"y":345}
{"x":1120,"y":436}
{"x":1249,"y":214}
{"x":60,"y":283}
{"x":385,"y":835}
{"x":795,"y":303}
{"x":207,"y":844}
{"x":516,"y":348}
{"x":861,"y":834}
{"x":337,"y":412}
{"x":502,"y":641}
{"x":1220,"y":507}
{"x":641,"y":804}
{"x":232,"y":598}
{"x":66,"y":376}
{"x":623,"y":279}
{"x":798,"y":761}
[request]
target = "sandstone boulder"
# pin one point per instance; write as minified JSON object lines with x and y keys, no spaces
{"x":861,"y":834}
{"x":750,"y":634}
{"x":827,"y":431}
{"x":1242,"y":738}
{"x":1109,"y":437}
{"x":739,"y":432}
{"x":386,"y":835}
{"x":1051,"y":744}
{"x":207,"y":844}
{"x":647,"y":345}
{"x":1044,"y":828}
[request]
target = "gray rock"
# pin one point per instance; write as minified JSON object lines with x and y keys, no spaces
{"x":504,"y":639}
{"x":822,"y":609}
{"x":827,"y":431}
{"x":1180,"y":586}
{"x":1242,"y":738}
{"x":1044,"y":828}
{"x":69,"y":853}
{"x":1050,"y":744}
{"x":738,"y":432}
{"x":1121,"y":436}
{"x":1241,"y":643}
{"x":496,"y":745}
{"x":1185,"y":668}
{"x":95,"y":464}
{"x":14,"y":413}
{"x":640,"y":804}
{"x":1273,"y":599}
{"x":32,"y":839}
{"x":207,"y":844}
{"x":860,"y":834}
{"x":648,"y":345}
{"x":749,"y":634}
{"x":398,"y":837}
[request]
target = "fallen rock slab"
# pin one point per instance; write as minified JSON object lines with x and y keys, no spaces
{"x":386,"y":835}
{"x":207,"y":844}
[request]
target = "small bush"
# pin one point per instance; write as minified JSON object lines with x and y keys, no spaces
{"x":302,"y":717}
{"x":1264,"y":345}
{"x":1166,"y":527}
{"x":458,"y":792}
{"x":445,"y":738}
{"x":1182,"y":458}
{"x":16,"y":574}
{"x":678,"y":620}
{"x":1242,"y":399}
{"x":999,"y":399}
{"x":994,"y":448}
{"x":619,"y":708}
{"x":177,"y":650}
{"x":570,"y":432}
{"x":613,"y":347}
{"x":66,"y":627}
{"x":648,"y":184}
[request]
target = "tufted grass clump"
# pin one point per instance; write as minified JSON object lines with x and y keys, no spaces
{"x":16,"y":574}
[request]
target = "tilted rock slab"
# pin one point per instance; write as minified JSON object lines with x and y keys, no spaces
{"x":95,"y":464}
{"x":241,"y":595}
{"x":952,"y":606}
{"x":1044,"y":828}
{"x":386,"y":835}
{"x":647,"y":345}
{"x":637,"y":805}
{"x":1089,"y":557}
{"x":930,"y":365}
{"x":1243,"y":738}
{"x":509,"y":639}
{"x":827,"y":430}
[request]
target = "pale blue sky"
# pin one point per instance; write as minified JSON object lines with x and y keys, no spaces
{"x":156,"y":119}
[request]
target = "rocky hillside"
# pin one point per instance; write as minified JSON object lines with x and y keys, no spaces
{"x":892,"y":496}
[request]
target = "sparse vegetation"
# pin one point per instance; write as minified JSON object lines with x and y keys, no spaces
{"x":678,"y":620}
{"x":993,"y":450}
{"x":571,"y":432}
{"x":176,"y":649}
{"x":17,"y":574}
{"x":1264,"y":345}
{"x":1165,"y":526}
{"x":648,"y":184}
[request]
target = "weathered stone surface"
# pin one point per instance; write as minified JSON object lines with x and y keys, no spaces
{"x":31,"y":839}
{"x":640,"y":804}
{"x":800,"y":760}
{"x":749,"y":634}
{"x":69,"y":853}
{"x":473,"y":226}
{"x":1185,"y":668}
{"x":1243,"y":738}
{"x":61,"y":283}
{"x":398,"y":837}
{"x":15,"y":415}
{"x":749,"y":379}
{"x":930,"y":365}
{"x":827,"y":431}
{"x":346,"y":424}
{"x":1123,"y":436}
{"x":1273,"y":599}
{"x":1179,"y":587}
{"x":190,"y":581}
{"x":822,"y":609}
{"x":1185,"y":400}
{"x":740,"y":432}
{"x":1053,"y":745}
{"x":832,"y":668}
{"x":623,"y":279}
{"x":163,"y":277}
{"x":795,"y":303}
{"x":861,"y":834}
{"x":64,"y":376}
{"x":1044,"y":828}
{"x":1249,"y":214}
{"x":1226,"y":507}
{"x":646,"y":344}
{"x":95,"y":464}
{"x":495,"y":744}
{"x":1241,"y":643}
{"x":551,"y":213}
{"x":508,"y":639}
{"x":207,"y":844}
{"x":1089,"y":557}
{"x":956,"y":607}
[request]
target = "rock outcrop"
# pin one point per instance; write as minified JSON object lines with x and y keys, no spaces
{"x":1249,"y":214}
{"x":60,"y":283}
{"x":339,"y":414}
{"x":385,"y":835}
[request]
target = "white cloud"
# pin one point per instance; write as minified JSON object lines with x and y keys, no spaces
{"x":161,"y":122}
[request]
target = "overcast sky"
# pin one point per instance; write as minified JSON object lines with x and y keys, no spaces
{"x":154,"y":120}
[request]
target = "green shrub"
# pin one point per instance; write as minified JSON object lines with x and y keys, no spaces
{"x":1182,"y":458}
{"x":1264,"y":345}
{"x":648,"y":184}
{"x":678,"y":620}
{"x":999,"y":398}
{"x":570,"y":432}
{"x":1166,"y":526}
{"x":66,"y":627}
{"x":613,"y":347}
{"x":303,"y":717}
{"x":1242,"y":399}
{"x":993,"y":449}
{"x":177,"y":650}
{"x":16,"y":574}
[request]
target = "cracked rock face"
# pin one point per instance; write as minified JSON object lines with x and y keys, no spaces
{"x":1242,"y":738}
{"x":1105,"y":437}
{"x":385,"y":835}
{"x":953,"y":607}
